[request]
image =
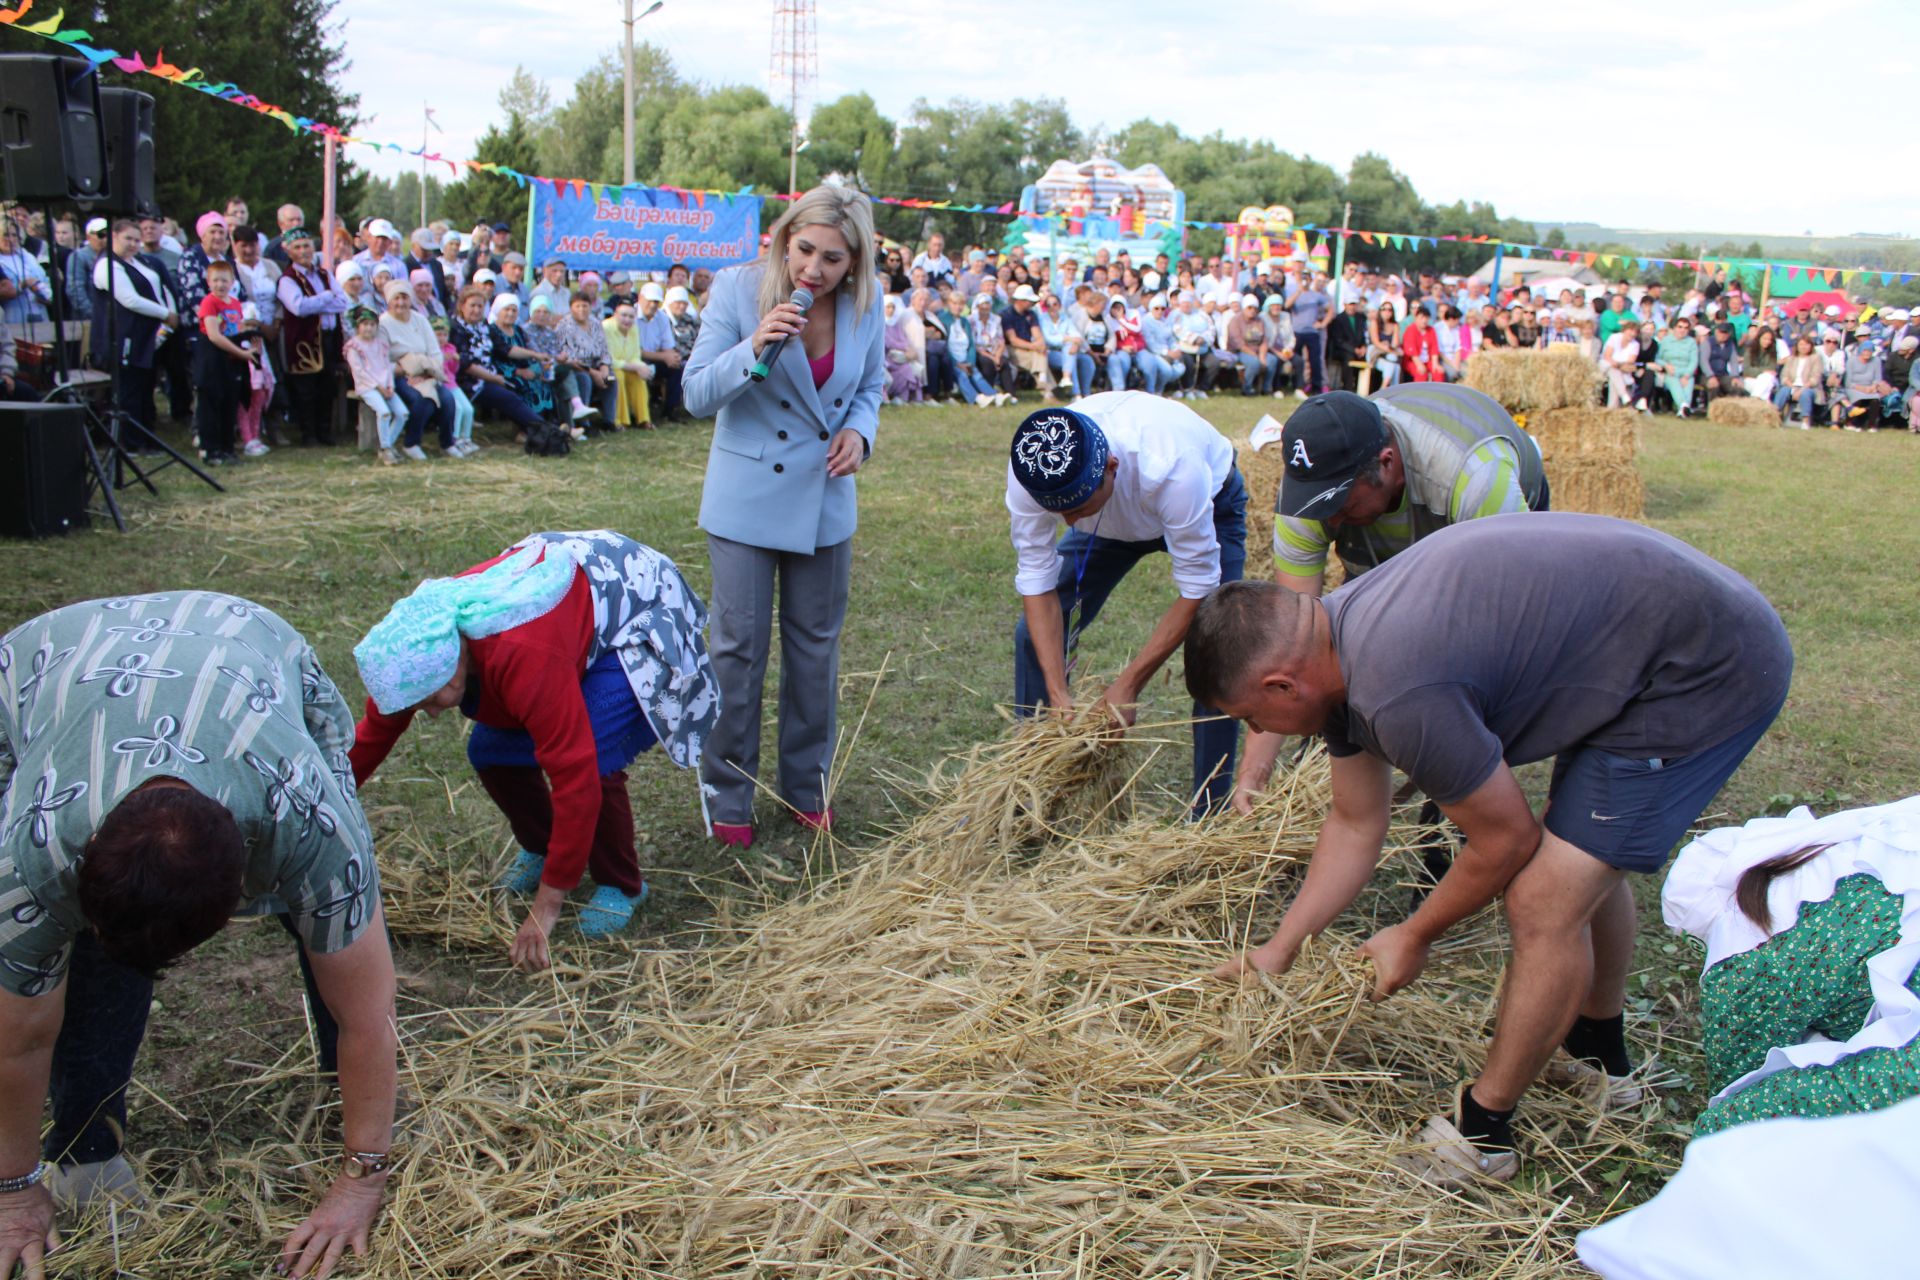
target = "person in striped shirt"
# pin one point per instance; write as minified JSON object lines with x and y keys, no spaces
{"x":1366,"y":478}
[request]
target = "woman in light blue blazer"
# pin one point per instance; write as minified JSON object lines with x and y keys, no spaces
{"x":778,"y":505}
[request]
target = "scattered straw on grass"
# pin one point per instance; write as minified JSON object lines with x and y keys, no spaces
{"x":1534,"y":381}
{"x":1743,"y":411}
{"x":992,"y":1049}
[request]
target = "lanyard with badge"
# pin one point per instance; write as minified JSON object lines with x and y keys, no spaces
{"x":1073,"y":623}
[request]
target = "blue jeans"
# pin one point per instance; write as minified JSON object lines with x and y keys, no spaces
{"x":1256,"y":373}
{"x":1119,"y":364}
{"x":1161,"y":372}
{"x":972,"y":385}
{"x":1106,"y":562}
{"x":1076,"y":368}
{"x":1783,"y":393}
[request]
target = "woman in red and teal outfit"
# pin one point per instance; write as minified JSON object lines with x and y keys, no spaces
{"x":572,"y":653}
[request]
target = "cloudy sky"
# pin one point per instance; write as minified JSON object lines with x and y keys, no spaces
{"x":1668,"y":114}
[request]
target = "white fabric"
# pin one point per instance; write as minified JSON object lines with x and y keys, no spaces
{"x":1883,"y":842}
{"x":124,"y":292}
{"x":1777,"y":1200}
{"x":1171,"y":464}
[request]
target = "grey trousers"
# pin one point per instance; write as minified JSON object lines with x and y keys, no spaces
{"x":813,"y":606}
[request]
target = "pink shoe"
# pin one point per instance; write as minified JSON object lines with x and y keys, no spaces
{"x":815,"y":821}
{"x":740,"y":837}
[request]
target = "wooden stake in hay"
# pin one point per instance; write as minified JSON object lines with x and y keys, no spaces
{"x":948,"y":1067}
{"x":1598,"y":488}
{"x":1531,"y":382}
{"x":1586,"y":435}
{"x":1743,"y":411}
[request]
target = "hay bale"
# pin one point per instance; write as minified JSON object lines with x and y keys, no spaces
{"x":1598,"y":488}
{"x":1262,"y":469}
{"x":1586,"y":435}
{"x":1743,"y":411}
{"x":1533,"y":381}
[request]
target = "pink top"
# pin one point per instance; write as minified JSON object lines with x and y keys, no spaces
{"x":822,"y":369}
{"x":371,"y":363}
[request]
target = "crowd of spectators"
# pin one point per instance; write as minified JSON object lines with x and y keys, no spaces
{"x":976,"y":325}
{"x":257,"y":342}
{"x":424,"y":332}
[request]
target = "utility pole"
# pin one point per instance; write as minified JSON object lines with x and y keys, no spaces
{"x":791,"y":72}
{"x":627,"y":130}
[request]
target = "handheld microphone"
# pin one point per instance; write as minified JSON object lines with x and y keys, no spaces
{"x":803,"y":299}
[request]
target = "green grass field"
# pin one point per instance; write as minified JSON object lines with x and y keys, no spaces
{"x":1828,"y":525}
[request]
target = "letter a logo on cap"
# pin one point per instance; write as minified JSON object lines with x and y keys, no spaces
{"x":1299,"y":456}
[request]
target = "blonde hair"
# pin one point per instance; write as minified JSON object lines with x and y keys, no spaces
{"x":846,"y":211}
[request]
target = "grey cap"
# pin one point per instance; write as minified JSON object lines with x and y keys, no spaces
{"x":516,"y":258}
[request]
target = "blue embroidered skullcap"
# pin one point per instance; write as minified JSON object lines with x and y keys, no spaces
{"x":1059,"y":458}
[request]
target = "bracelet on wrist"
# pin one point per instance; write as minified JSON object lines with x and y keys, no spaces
{"x":367,"y":1164}
{"x":25,"y":1180}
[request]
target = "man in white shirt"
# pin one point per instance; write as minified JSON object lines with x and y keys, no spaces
{"x":934,"y":261}
{"x":1218,"y":287}
{"x":1129,"y":474}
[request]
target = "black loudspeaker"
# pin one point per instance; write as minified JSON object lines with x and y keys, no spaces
{"x":127,"y":118}
{"x":51,"y":144}
{"x":43,"y":469}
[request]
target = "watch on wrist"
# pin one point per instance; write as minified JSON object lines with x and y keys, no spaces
{"x":25,"y":1180}
{"x":367,"y":1164}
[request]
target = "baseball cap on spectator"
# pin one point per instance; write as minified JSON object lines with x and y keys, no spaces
{"x":503,"y":226}
{"x":977,"y":256}
{"x":516,"y":258}
{"x":381,"y":227}
{"x":619,"y":277}
{"x":983,"y":298}
{"x":96,"y":225}
{"x":1151,"y":281}
{"x":484,"y":276}
{"x":679,"y":294}
{"x":1025,"y":293}
{"x":1833,"y":309}
{"x":653,"y":291}
{"x":1326,"y":442}
{"x":552,"y":258}
{"x":423,"y":236}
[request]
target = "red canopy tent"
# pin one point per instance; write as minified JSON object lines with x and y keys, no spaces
{"x":1821,"y":298}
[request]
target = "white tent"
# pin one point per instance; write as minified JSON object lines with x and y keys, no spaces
{"x":1516,"y":270}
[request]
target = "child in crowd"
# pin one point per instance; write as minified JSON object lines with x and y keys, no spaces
{"x":462,"y":407}
{"x":372,"y":363}
{"x":259,"y":393}
{"x":221,"y":360}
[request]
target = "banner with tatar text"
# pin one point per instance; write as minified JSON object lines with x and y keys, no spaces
{"x":640,"y":229}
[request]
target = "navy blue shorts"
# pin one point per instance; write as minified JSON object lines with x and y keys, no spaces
{"x":1630,"y":813}
{"x":620,"y":728}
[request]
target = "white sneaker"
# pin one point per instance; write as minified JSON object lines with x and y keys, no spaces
{"x":256,"y":449}
{"x":467,"y":448}
{"x":414,"y":452}
{"x":1003,"y":398}
{"x":77,"y":1188}
{"x":581,"y":409}
{"x":983,"y":400}
{"x":1281,"y":395}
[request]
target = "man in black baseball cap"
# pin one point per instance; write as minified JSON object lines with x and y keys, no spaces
{"x":1369,"y":477}
{"x":1328,"y":444}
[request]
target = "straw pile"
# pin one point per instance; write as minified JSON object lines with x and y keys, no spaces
{"x":1743,"y":411}
{"x":1589,"y":455}
{"x":957,"y":1060}
{"x":1532,"y":381}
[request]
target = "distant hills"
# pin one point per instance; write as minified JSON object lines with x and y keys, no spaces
{"x":1860,"y":249}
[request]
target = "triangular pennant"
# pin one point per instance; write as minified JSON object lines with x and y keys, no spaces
{"x":47,"y":26}
{"x":579,"y":187}
{"x":1366,"y":236}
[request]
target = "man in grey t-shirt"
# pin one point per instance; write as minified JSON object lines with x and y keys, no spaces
{"x":1646,"y":669}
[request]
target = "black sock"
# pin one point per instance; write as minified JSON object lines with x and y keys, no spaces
{"x":1488,"y":1130}
{"x":1601,"y":1042}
